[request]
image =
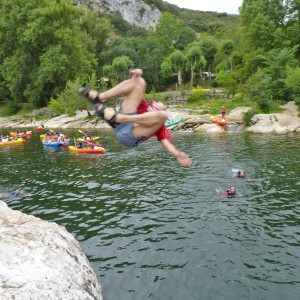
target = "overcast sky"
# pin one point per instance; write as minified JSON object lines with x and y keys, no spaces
{"x":229,"y":6}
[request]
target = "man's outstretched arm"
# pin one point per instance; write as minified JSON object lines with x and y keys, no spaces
{"x":182,"y":158}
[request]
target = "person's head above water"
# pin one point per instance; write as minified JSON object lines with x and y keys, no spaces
{"x":241,"y":174}
{"x":231,"y":191}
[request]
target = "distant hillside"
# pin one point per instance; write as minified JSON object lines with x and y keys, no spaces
{"x":145,"y":13}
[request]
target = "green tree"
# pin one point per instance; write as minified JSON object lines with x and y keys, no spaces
{"x":41,"y":48}
{"x":194,"y":56}
{"x":120,"y":67}
{"x":209,"y":49}
{"x":168,"y":31}
{"x":227,"y":48}
{"x":259,"y":88}
{"x":178,"y":61}
{"x":292,"y":81}
{"x":227,"y":80}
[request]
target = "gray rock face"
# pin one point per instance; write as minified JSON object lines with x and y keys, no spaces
{"x":288,"y":121}
{"x":135,"y":12}
{"x":41,"y":260}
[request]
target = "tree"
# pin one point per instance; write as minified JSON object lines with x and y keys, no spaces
{"x":42,"y":48}
{"x":168,"y":31}
{"x":195,"y":58}
{"x":227,"y":80}
{"x":178,"y":60}
{"x":292,"y":81}
{"x":209,"y":49}
{"x":120,"y":67}
{"x":227,"y":47}
{"x":118,"y":70}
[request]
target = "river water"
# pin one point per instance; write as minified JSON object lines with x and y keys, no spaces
{"x":153,"y":230}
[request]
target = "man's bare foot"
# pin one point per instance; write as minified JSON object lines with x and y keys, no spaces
{"x":136,"y":72}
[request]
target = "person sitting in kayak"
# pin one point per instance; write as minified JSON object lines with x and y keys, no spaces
{"x":86,"y":136}
{"x":61,"y":139}
{"x":80,"y":145}
{"x":137,"y":120}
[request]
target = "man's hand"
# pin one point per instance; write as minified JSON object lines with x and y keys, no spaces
{"x":184,"y":160}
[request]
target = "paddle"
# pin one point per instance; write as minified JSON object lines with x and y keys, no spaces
{"x":92,"y":138}
{"x":91,"y":143}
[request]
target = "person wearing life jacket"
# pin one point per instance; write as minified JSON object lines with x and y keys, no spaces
{"x":223,"y":112}
{"x":86,"y":136}
{"x":231,"y":192}
{"x":241,"y":174}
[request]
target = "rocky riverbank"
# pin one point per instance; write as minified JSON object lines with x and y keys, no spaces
{"x":287,"y":121}
{"x":41,"y":260}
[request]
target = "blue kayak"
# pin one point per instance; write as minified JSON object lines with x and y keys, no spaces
{"x":174,"y":122}
{"x":53,"y":144}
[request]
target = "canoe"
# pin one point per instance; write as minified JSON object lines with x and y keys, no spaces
{"x":39,"y":128}
{"x":218,"y":121}
{"x":173,"y":122}
{"x":53,"y":144}
{"x":15,"y":142}
{"x":86,"y":150}
{"x":21,"y":133}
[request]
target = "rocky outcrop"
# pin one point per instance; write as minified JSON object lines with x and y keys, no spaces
{"x":41,"y":260}
{"x":135,"y":12}
{"x":288,"y":121}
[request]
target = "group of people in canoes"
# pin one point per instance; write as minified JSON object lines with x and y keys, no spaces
{"x":7,"y":138}
{"x":88,"y":142}
{"x":51,"y":138}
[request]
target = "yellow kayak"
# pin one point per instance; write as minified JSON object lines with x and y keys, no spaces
{"x":15,"y":142}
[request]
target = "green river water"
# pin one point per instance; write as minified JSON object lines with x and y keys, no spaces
{"x":153,"y":230}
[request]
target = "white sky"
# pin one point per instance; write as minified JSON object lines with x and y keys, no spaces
{"x":229,"y":6}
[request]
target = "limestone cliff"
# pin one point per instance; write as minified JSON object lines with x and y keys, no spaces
{"x":136,"y":12}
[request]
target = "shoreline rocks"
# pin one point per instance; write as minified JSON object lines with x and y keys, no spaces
{"x":41,"y":260}
{"x":287,"y":121}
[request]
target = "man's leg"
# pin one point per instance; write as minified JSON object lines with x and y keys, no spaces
{"x":132,"y":89}
{"x":144,"y":124}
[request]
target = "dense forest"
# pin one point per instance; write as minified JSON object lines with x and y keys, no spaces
{"x":50,"y":47}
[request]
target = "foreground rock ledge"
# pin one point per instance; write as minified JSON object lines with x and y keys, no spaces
{"x":41,"y":260}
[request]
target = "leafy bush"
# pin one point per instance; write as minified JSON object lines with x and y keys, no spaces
{"x":197,"y":95}
{"x":248,"y":116}
{"x":10,"y":108}
{"x":56,"y":107}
